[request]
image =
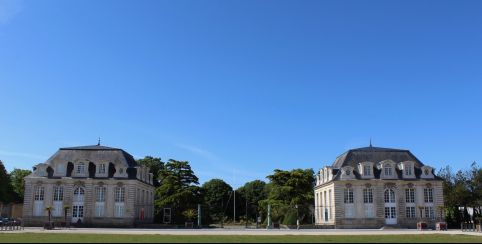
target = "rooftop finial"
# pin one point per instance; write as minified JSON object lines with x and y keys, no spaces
{"x":371,"y":142}
{"x":98,"y":143}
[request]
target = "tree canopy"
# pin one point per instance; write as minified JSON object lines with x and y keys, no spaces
{"x":462,"y":189}
{"x":155,"y":166}
{"x":6,"y":191}
{"x":18,"y":184}
{"x":216,"y":194}
{"x":290,"y":194}
{"x":178,"y":189}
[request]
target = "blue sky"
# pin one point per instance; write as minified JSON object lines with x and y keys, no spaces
{"x":240,"y":88}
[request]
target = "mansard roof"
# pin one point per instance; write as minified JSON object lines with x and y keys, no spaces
{"x":375,"y":155}
{"x":95,"y":153}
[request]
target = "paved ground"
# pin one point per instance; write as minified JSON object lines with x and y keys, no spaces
{"x":242,"y":232}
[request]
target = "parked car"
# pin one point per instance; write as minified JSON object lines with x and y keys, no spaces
{"x":8,"y":221}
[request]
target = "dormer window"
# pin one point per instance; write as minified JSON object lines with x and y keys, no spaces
{"x":388,"y":170}
{"x":426,"y":172}
{"x":80,"y":169}
{"x":367,"y":170}
{"x":348,"y":172}
{"x":101,"y":169}
{"x":121,"y":171}
{"x":408,"y":169}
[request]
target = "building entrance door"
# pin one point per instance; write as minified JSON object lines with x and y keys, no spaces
{"x":390,"y":207}
{"x":78,"y":205}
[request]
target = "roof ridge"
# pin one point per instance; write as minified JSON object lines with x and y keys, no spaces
{"x":90,"y":147}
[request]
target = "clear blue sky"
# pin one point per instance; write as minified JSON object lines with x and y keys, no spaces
{"x":240,"y":88}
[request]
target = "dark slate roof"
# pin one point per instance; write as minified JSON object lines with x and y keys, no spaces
{"x":93,"y":147}
{"x":94,"y":153}
{"x":375,"y":155}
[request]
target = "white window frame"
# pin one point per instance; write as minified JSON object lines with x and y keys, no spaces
{"x":409,"y":195}
{"x":100,"y":192}
{"x":367,"y":170}
{"x":348,"y":196}
{"x":428,"y":195}
{"x":390,"y":198}
{"x":80,"y":169}
{"x":387,"y":169}
{"x":101,"y":169}
{"x":119,"y":205}
{"x":429,"y":212}
{"x":39,"y":197}
{"x":368,"y":195}
{"x":408,"y":169}
{"x":410,"y":212}
{"x":58,"y":199}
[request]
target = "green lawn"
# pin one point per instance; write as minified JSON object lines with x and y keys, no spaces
{"x":72,"y":238}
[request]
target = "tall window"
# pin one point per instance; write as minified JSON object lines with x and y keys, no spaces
{"x":58,"y":201}
{"x":80,"y":169}
{"x":410,"y":195}
{"x":368,"y":200}
{"x":429,"y":213}
{"x":119,"y":196}
{"x":388,"y":170}
{"x":389,"y":196}
{"x":428,"y":195}
{"x":348,"y":195}
{"x":101,"y":169}
{"x":367,"y":195}
{"x":100,"y":201}
{"x":367,"y":170}
{"x":38,"y":208}
{"x":349,"y":207}
{"x":329,"y":196}
{"x":410,"y":212}
{"x":79,"y":195}
{"x":408,"y":169}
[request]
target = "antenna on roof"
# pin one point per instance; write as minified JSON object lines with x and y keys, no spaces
{"x":371,"y":142}
{"x":98,"y":143}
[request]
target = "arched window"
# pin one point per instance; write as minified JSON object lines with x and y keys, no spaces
{"x":389,"y":196}
{"x":79,"y":194}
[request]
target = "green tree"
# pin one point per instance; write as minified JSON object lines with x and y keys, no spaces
{"x":6,"y":191}
{"x":17,"y":178}
{"x":216,"y":194}
{"x":252,"y":193}
{"x":290,"y":189}
{"x":155,"y":166}
{"x":178,"y":189}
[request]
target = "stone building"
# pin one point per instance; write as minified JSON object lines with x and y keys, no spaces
{"x":374,"y":187}
{"x":90,"y":185}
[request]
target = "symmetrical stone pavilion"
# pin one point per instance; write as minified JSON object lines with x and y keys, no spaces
{"x":374,"y":187}
{"x":92,"y":186}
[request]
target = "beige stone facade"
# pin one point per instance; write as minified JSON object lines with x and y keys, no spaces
{"x":92,"y":186}
{"x":375,"y":187}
